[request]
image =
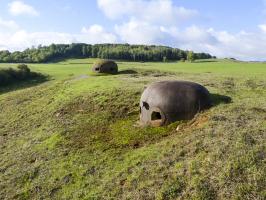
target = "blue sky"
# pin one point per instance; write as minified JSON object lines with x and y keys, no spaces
{"x":223,"y":28}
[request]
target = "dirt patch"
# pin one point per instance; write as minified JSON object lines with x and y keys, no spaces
{"x":199,"y":121}
{"x":229,"y":84}
{"x":81,"y":77}
{"x":255,"y":84}
{"x":138,"y":73}
{"x":155,"y":73}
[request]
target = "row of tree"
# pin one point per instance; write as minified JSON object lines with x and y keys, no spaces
{"x":126,"y":52}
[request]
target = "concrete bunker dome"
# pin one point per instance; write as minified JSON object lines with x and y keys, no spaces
{"x":168,"y":101}
{"x":105,"y":66}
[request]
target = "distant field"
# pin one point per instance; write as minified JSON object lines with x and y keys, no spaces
{"x":216,"y":67}
{"x":76,"y":135}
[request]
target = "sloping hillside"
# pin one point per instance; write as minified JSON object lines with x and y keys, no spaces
{"x":76,"y":136}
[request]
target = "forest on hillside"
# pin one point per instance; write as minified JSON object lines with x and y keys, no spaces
{"x":55,"y":52}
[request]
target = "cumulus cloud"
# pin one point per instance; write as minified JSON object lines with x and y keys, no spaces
{"x":242,"y":45}
{"x":262,"y":27}
{"x":8,"y":25}
{"x":21,"y":39}
{"x":158,"y":22}
{"x":156,"y":11}
{"x":139,"y":32}
{"x":20,"y":8}
{"x":146,"y":22}
{"x":96,"y":34}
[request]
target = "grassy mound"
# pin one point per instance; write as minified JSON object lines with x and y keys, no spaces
{"x":78,"y":138}
{"x":22,"y":73}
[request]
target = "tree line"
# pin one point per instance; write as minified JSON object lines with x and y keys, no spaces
{"x":55,"y":52}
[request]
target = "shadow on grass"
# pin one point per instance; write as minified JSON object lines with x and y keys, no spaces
{"x":129,"y":71}
{"x":205,"y":61}
{"x":122,"y":72}
{"x":79,"y":63}
{"x":218,"y":99}
{"x":34,"y":81}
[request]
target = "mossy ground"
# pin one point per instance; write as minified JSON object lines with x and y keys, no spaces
{"x":77,"y":137}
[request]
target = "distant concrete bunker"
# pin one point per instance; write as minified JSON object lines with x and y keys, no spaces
{"x":105,"y":66}
{"x":168,"y":101}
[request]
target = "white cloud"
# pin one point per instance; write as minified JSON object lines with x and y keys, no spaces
{"x":156,"y":11}
{"x":242,"y":45}
{"x":262,"y":27}
{"x":137,"y":32}
{"x":8,"y":25}
{"x":20,"y":8}
{"x":45,"y":38}
{"x":96,"y":34}
{"x":145,"y":22}
{"x":21,"y":39}
{"x":159,"y":22}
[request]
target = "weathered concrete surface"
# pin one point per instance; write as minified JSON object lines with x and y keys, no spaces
{"x":105,"y":66}
{"x":169,"y":101}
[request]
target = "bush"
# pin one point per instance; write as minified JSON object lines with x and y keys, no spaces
{"x":22,"y":73}
{"x":5,"y":77}
{"x":24,"y":68}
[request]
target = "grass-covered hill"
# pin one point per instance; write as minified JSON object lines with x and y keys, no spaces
{"x":76,"y":135}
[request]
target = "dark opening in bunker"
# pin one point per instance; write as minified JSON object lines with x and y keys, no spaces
{"x":97,"y":69}
{"x":156,"y":116}
{"x":146,"y":105}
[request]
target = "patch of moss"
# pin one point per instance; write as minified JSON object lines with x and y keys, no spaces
{"x":51,"y":142}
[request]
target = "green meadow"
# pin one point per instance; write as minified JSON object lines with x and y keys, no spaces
{"x":76,"y":134}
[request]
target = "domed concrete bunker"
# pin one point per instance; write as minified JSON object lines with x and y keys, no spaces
{"x":105,"y":66}
{"x":168,"y":101}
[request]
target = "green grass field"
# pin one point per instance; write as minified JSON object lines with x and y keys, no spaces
{"x":76,"y":135}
